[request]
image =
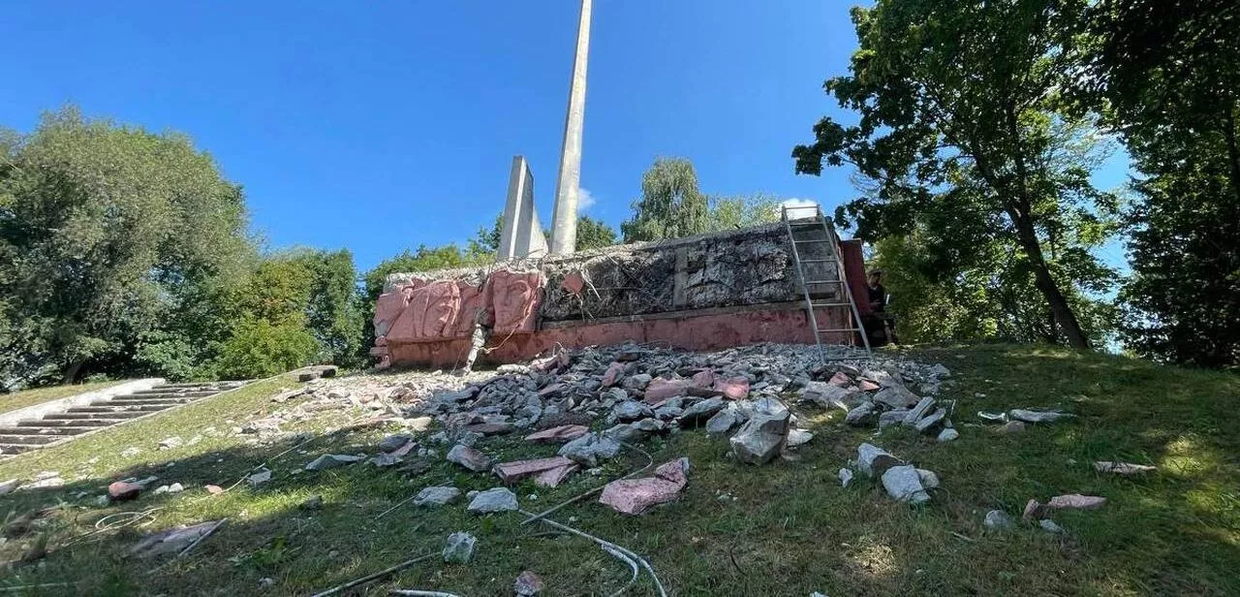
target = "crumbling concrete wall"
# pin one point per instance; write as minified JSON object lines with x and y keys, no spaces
{"x":714,"y":277}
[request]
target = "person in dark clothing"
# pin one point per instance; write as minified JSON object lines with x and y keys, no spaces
{"x":879,"y":322}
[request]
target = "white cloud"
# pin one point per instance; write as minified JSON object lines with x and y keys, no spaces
{"x":800,"y":208}
{"x":585,"y":200}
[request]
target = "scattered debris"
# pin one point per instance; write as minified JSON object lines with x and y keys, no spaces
{"x":511,"y":472}
{"x":1073,"y":501}
{"x":1034,"y":416}
{"x":460,"y":548}
{"x":903,"y":483}
{"x":846,"y":476}
{"x":589,"y":449}
{"x":797,"y":437}
{"x":1049,"y":526}
{"x":528,"y":584}
{"x":436,"y":496}
{"x":990,"y":417}
{"x":948,"y":435}
{"x":761,"y":438}
{"x":1123,"y":468}
{"x":498,"y":499}
{"x":259,"y":478}
{"x":121,"y":491}
{"x":998,"y":520}
{"x":634,"y":496}
{"x":874,"y":461}
{"x":180,"y":540}
{"x":469,"y":458}
{"x":563,"y":433}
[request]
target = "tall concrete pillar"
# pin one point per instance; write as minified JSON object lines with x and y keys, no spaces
{"x":564,"y":226}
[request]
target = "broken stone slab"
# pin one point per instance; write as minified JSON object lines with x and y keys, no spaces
{"x":903,"y":484}
{"x":469,"y":458}
{"x":873,"y":461}
{"x":948,"y":435}
{"x":724,"y":420}
{"x":528,"y":584}
{"x":612,"y":374}
{"x":634,"y":496}
{"x":668,"y":412}
{"x":511,"y":472}
{"x":498,"y":499}
{"x":702,"y":409}
{"x":661,"y":389}
{"x":860,"y":415}
{"x":846,"y":477}
{"x":625,"y":432}
{"x":121,"y":491}
{"x":490,"y":428}
{"x":431,"y":497}
{"x":394,"y":442}
{"x":1072,"y":501}
{"x":172,"y":540}
{"x":1122,"y":468}
{"x":896,"y":397}
{"x":553,"y":477}
{"x":631,"y":410}
{"x":589,"y":449}
{"x":563,"y":433}
{"x":638,"y":381}
{"x":259,"y":478}
{"x":761,"y":437}
{"x":829,"y":395}
{"x":892,"y":417}
{"x":460,"y":548}
{"x":929,"y":422}
{"x":1036,"y":416}
{"x":916,"y":414}
{"x":840,"y":379}
{"x":327,"y":461}
{"x":386,"y":460}
{"x":990,"y":417}
{"x":797,"y":437}
{"x":998,"y":520}
{"x":866,"y":385}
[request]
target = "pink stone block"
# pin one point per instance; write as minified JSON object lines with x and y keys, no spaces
{"x":612,"y":374}
{"x":661,"y":389}
{"x":704,"y":379}
{"x":634,"y":496}
{"x":563,"y":433}
{"x":553,"y":477}
{"x":841,"y":380}
{"x":867,"y":385}
{"x":736,"y":388}
{"x":511,"y":472}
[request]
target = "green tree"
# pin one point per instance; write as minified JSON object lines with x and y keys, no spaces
{"x":671,"y":205}
{"x":1167,"y":75}
{"x":959,"y":110}
{"x":105,"y":230}
{"x":731,"y":213}
{"x":333,"y":314}
{"x":593,"y":234}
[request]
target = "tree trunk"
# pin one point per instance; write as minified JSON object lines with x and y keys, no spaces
{"x":1060,"y":308}
{"x":71,"y":372}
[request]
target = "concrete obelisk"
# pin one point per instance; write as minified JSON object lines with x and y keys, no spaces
{"x":564,"y":226}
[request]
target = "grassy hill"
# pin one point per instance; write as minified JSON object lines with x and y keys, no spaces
{"x":787,"y":528}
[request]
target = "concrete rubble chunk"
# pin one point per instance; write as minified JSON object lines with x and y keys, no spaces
{"x":259,"y":478}
{"x":904,"y":484}
{"x":327,"y":461}
{"x":797,"y":437}
{"x":469,"y":458}
{"x":762,"y":437}
{"x":860,"y":415}
{"x":873,"y":461}
{"x":703,"y":409}
{"x":589,"y":449}
{"x":394,"y":442}
{"x":931,"y":421}
{"x":631,"y":411}
{"x":634,"y":496}
{"x":948,"y":435}
{"x":998,"y":520}
{"x":638,"y":381}
{"x":460,"y":548}
{"x":511,"y":472}
{"x":929,"y":480}
{"x":915,"y":414}
{"x":896,"y":397}
{"x":724,"y":420}
{"x":1122,"y":468}
{"x":563,"y":433}
{"x":892,"y":417}
{"x":830,"y":395}
{"x":430,"y":497}
{"x":528,"y":584}
{"x":1049,"y":526}
{"x":846,"y":476}
{"x":613,"y":373}
{"x":661,"y":389}
{"x":1036,"y":416}
{"x":625,"y":432}
{"x":498,"y":499}
{"x":172,"y":540}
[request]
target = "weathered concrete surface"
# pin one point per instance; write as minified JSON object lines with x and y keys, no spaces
{"x":564,"y":221}
{"x":698,"y":293}
{"x":12,"y":417}
{"x":521,"y":234}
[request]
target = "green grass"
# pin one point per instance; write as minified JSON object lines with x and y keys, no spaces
{"x":26,"y":398}
{"x":787,"y":528}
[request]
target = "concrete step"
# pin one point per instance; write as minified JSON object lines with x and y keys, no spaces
{"x":68,"y":422}
{"x":11,"y":449}
{"x":171,"y":394}
{"x":117,"y":409}
{"x":141,"y":401}
{"x":104,"y":416}
{"x":29,"y":440}
{"x":53,"y":430}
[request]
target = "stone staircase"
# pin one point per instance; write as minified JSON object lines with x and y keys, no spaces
{"x":53,"y":428}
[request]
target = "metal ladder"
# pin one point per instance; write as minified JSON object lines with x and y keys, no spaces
{"x":833,"y":256}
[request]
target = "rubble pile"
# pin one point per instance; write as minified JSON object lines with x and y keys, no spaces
{"x":879,"y":395}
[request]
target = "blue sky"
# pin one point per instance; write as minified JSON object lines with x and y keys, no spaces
{"x":377,"y":126}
